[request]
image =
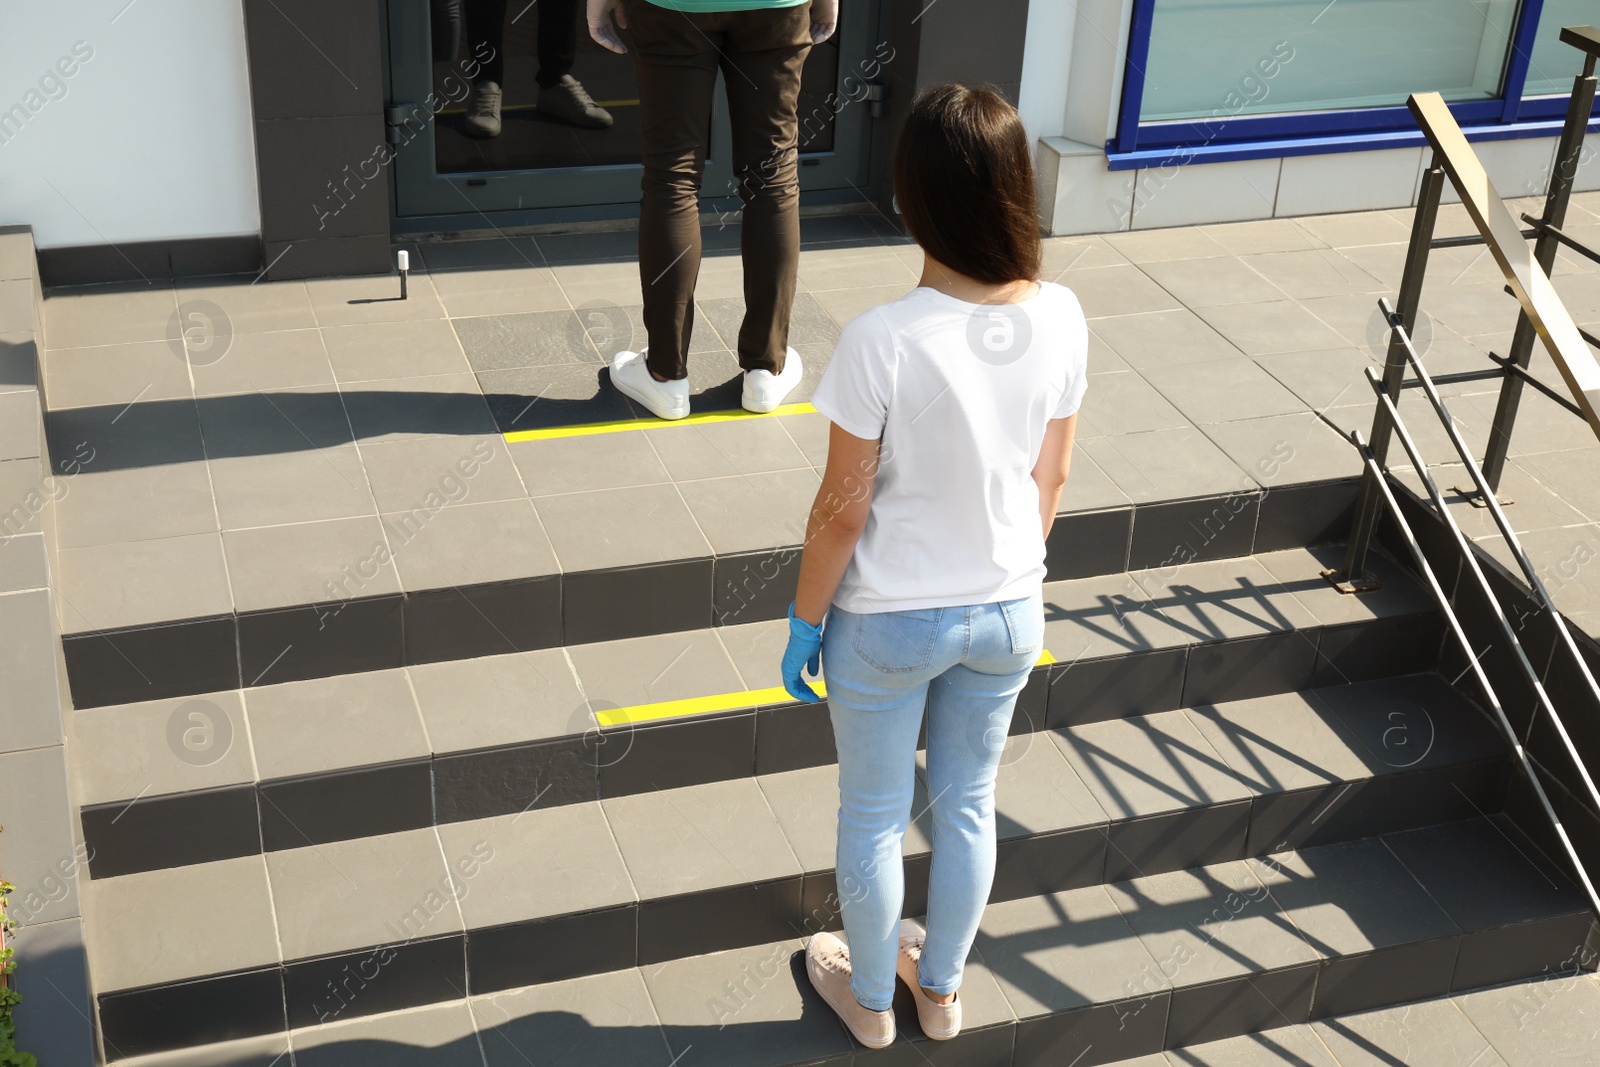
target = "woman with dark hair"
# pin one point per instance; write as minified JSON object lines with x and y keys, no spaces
{"x":952,"y":414}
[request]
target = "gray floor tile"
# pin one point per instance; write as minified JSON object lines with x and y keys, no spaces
{"x":1570,"y":475}
{"x":309,"y":563}
{"x":1356,"y":228}
{"x":183,"y":922}
{"x":25,"y":495}
{"x":648,"y":670}
{"x":19,"y":427}
{"x":1299,"y":571}
{"x":757,"y":651}
{"x":1287,"y":449}
{"x":1089,"y":488}
{"x":438,"y":404}
{"x":1359,"y":320}
{"x":1287,"y":1046}
{"x":1429,"y":1033}
{"x":40,"y":849}
{"x":250,"y":306}
{"x":1210,"y":923}
{"x":747,"y":446}
{"x":385,"y":350}
{"x":1416,"y":721}
{"x":1116,"y":290}
{"x":1541,"y":426}
{"x":499,"y":700}
{"x":159,"y":746}
{"x":780,"y":1021}
{"x":854,"y":268}
{"x":615,"y":282}
{"x":1279,"y":743}
{"x":134,"y":504}
{"x":330,"y":723}
{"x":808,"y":324}
{"x":28,"y":673}
{"x":1167,"y":465}
{"x":304,"y":486}
{"x":24,"y":561}
{"x":1313,"y":272}
{"x":535,"y":864}
{"x":1157,"y":338}
{"x":1265,"y":235}
{"x":262,"y":362}
{"x":809,"y":431}
{"x":1224,"y":598}
{"x":1124,"y":402}
{"x":1271,"y":326}
{"x":1103,"y":616}
{"x":115,"y":375}
{"x":699,"y":837}
{"x":372,"y":298}
{"x":1156,"y":246}
{"x":1322,"y":379}
{"x":138,"y":582}
{"x":470,"y":544}
{"x":1215,"y":280}
{"x":752,"y":511}
{"x":110,"y":314}
{"x":1351,"y":897}
{"x":618,"y":527}
{"x":1148,"y":765}
{"x":434,"y":472}
{"x":259,"y":424}
{"x":531,"y":339}
{"x":1037,"y":791}
{"x":1089,"y":250}
{"x":52,"y":979}
{"x":1226,"y":390}
{"x":1387,"y":262}
{"x":1065,"y":950}
{"x":594,"y":1021}
{"x":1102,"y":357}
{"x":1538,"y":1024}
{"x":370,"y":891}
{"x":806,"y":805}
{"x":584,"y":464}
{"x":479,"y":256}
{"x":843,"y":305}
{"x":439,"y":1035}
{"x":1471,"y":309}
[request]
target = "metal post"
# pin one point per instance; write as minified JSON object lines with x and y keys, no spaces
{"x":1544,"y":250}
{"x":1353,"y":576}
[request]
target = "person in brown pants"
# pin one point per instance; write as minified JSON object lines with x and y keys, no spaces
{"x":678,"y":47}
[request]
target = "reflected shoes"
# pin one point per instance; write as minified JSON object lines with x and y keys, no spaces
{"x":568,"y":101}
{"x":483,"y":110}
{"x":764,"y":391}
{"x":828,"y":967}
{"x":939,"y":1021}
{"x":665,"y":400}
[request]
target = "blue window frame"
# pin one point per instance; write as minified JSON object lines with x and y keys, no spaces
{"x":1233,"y":133}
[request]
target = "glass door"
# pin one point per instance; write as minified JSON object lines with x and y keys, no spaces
{"x":549,"y":154}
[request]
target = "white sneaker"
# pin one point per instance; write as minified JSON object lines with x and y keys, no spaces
{"x":764,"y":391}
{"x":666,"y":400}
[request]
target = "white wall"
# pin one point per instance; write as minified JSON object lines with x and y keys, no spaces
{"x":1045,"y":67}
{"x":149,"y":138}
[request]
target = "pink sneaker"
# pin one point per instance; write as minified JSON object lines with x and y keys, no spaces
{"x":828,"y":966}
{"x":939,"y":1021}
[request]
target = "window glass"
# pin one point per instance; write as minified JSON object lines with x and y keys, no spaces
{"x":1220,"y":58}
{"x":1554,"y":65}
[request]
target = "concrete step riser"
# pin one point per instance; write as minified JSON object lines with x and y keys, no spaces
{"x":148,"y":833}
{"x":185,"y":657}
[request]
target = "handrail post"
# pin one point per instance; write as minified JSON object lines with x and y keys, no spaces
{"x":1353,"y":577}
{"x":1562,"y":176}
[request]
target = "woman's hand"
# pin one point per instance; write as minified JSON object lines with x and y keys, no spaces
{"x":824,"y":19}
{"x":605,"y":16}
{"x":803,"y":653}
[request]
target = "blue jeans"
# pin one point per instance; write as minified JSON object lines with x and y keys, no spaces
{"x":965,"y":665}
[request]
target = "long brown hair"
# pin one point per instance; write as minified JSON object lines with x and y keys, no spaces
{"x":963,"y":177}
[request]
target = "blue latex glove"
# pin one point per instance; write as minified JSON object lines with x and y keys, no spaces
{"x":804,"y":652}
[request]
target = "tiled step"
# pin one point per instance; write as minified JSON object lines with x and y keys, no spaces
{"x":557,"y":893}
{"x":1085,"y":976}
{"x":490,"y":570}
{"x":180,"y":781}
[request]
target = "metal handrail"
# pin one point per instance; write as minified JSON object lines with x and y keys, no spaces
{"x":1372,"y":469}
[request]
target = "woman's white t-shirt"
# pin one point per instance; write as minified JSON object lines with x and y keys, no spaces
{"x":960,"y":394}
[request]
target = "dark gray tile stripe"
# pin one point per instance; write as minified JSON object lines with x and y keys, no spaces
{"x":134,"y":835}
{"x":187,"y":657}
{"x":424,"y":971}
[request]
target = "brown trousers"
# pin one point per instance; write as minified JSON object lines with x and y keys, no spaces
{"x":677,"y":55}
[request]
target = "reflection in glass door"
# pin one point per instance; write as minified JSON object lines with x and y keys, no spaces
{"x":567,"y":134}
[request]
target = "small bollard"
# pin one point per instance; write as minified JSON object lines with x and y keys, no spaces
{"x":404,"y":262}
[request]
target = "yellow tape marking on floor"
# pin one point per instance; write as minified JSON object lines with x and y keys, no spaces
{"x":591,"y":428}
{"x":690,"y":706}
